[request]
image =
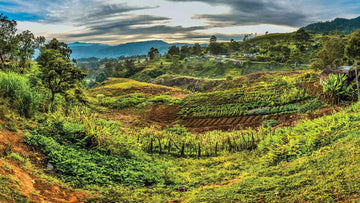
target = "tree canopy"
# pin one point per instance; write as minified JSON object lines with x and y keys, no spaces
{"x":58,"y":74}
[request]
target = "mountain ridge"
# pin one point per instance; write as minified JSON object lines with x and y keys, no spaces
{"x":85,"y":50}
{"x":343,"y":25}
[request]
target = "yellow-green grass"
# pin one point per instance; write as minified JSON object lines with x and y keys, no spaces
{"x":121,"y":86}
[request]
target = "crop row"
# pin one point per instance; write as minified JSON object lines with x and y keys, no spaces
{"x":279,"y":96}
{"x":257,"y":108}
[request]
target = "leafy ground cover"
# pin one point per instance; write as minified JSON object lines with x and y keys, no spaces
{"x":269,"y":94}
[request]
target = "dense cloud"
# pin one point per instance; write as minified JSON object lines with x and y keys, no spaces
{"x":254,"y":12}
{"x":107,"y":19}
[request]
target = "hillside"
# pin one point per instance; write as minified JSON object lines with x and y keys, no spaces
{"x":345,"y":26}
{"x":259,"y":120}
{"x":129,"y":128}
{"x":85,"y":50}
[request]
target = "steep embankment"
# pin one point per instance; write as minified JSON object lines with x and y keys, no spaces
{"x":22,"y":176}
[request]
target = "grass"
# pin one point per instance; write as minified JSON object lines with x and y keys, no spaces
{"x":17,"y":88}
{"x":122,"y":86}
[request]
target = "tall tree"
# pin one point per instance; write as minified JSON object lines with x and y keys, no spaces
{"x":333,"y":49}
{"x":214,"y":47}
{"x":153,"y":53}
{"x":58,"y":74}
{"x":7,"y":36}
{"x":174,"y":50}
{"x":213,"y":39}
{"x":62,"y":47}
{"x":196,"y":49}
{"x":27,"y":45}
{"x":301,"y":35}
{"x":353,"y":51}
{"x":185,"y":50}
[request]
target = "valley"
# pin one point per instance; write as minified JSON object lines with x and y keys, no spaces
{"x":270,"y":118}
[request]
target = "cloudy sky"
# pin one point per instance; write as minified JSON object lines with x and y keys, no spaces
{"x":121,"y":21}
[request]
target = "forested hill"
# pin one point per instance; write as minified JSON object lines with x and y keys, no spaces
{"x":342,"y":25}
{"x":84,"y":50}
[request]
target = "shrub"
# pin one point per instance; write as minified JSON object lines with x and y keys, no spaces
{"x":17,"y":88}
{"x":270,"y":123}
{"x":335,"y":85}
{"x":311,"y":106}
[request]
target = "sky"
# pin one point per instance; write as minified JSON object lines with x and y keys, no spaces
{"x":122,"y":21}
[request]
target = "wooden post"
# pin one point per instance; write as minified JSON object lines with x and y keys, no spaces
{"x":199,"y":151}
{"x":230,"y":146}
{"x":182,"y":149}
{"x":160,"y":148}
{"x":357,"y":80}
{"x":151,"y":145}
{"x":169,"y":147}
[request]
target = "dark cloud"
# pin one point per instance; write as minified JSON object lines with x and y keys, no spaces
{"x":254,"y":12}
{"x":102,"y":12}
{"x":137,"y":25}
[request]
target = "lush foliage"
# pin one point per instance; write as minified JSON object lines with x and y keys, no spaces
{"x":17,"y":89}
{"x":275,"y":95}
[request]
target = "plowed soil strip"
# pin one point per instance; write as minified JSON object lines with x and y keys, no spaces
{"x":223,"y":121}
{"x":212,"y":121}
{"x":230,"y":120}
{"x":201,"y":123}
{"x":242,"y":121}
{"x":196,"y":122}
{"x":258,"y":118}
{"x":236,"y":121}
{"x":207,"y":122}
{"x":217,"y":121}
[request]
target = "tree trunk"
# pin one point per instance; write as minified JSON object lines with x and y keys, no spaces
{"x":169,"y":147}
{"x":160,"y":148}
{"x":199,"y":152}
{"x":357,"y":80}
{"x":182,"y":150}
{"x":1,"y":57}
{"x":216,"y":148}
{"x":52,"y":96}
{"x":151,"y":145}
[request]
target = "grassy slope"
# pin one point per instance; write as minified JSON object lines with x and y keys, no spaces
{"x":326,"y":170}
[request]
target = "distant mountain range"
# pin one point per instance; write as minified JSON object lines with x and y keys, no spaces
{"x":342,"y":25}
{"x":84,"y":50}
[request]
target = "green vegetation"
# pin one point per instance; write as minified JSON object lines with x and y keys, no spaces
{"x":123,"y":140}
{"x":17,"y":90}
{"x":341,"y":25}
{"x":273,"y":94}
{"x":9,"y":190}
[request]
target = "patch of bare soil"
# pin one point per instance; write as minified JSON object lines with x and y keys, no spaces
{"x":241,"y":122}
{"x":230,"y":182}
{"x":162,"y":114}
{"x":37,"y":189}
{"x":178,"y":95}
{"x":126,"y":117}
{"x":158,"y":114}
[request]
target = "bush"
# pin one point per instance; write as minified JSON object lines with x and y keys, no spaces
{"x":311,"y":106}
{"x":83,"y":167}
{"x":270,"y":123}
{"x":17,"y":88}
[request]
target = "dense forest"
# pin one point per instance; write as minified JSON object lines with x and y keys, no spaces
{"x":272,"y":118}
{"x":341,"y":25}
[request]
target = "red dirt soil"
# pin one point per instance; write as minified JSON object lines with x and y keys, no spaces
{"x":225,"y":124}
{"x":35,"y":188}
